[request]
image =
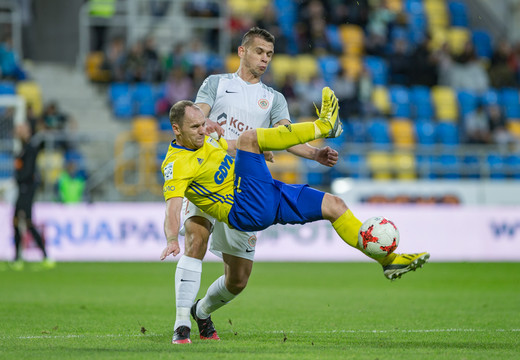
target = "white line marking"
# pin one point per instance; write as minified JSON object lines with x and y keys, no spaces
{"x":79,"y":336}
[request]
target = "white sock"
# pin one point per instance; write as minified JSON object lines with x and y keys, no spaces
{"x":187,"y":285}
{"x":216,"y":297}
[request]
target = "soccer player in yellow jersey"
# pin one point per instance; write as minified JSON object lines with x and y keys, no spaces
{"x":243,"y":194}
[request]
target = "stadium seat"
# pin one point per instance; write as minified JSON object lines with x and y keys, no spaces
{"x":439,"y":37}
{"x":447,"y":133}
{"x":447,"y":166}
{"x":143,"y":99}
{"x":445,"y":103}
{"x":378,"y":68}
{"x":381,"y":99}
{"x":483,"y":44}
{"x":355,"y":131}
{"x":378,"y":131}
{"x":352,"y":37}
{"x":458,"y":37}
{"x":123,"y":106}
{"x":315,"y":172}
{"x":425,"y":132}
{"x":117,"y":90}
{"x":510,"y":102}
{"x":232,"y":63}
{"x":352,"y":165}
{"x":404,"y":165}
{"x":400,"y":98}
{"x":31,"y":92}
{"x":334,"y":38}
{"x":491,"y":97}
{"x":437,"y":13}
{"x":380,"y":165}
{"x":468,"y":102}
{"x":165,"y":125}
{"x":497,"y":166}
{"x":305,"y":66}
{"x":512,"y":163}
{"x":145,"y":129}
{"x":425,"y":166}
{"x":458,"y":13}
{"x":402,"y":132}
{"x":329,"y":67}
{"x":6,"y":165}
{"x":513,"y":126}
{"x":413,"y":7}
{"x":353,"y":65}
{"x":281,"y":66}
{"x":94,"y":67}
{"x":421,"y":102}
{"x":470,"y":167}
{"x":7,"y":88}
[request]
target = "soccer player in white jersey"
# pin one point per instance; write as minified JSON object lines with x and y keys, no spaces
{"x":234,"y":103}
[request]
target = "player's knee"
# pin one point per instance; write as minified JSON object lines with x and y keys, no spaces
{"x":333,"y":207}
{"x":247,"y":140}
{"x":235,"y":285}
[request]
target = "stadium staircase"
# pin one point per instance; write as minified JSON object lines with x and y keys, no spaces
{"x":87,"y":104}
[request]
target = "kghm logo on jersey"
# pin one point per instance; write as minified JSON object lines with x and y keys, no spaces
{"x":222,"y":172}
{"x":263,"y":103}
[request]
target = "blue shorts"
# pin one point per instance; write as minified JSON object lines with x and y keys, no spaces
{"x":261,"y":201}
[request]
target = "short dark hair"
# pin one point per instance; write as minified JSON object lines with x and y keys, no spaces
{"x":178,"y":110}
{"x":257,"y":32}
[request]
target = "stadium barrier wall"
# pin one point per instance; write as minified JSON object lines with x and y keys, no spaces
{"x":134,"y":232}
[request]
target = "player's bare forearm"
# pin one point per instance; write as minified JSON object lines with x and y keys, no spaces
{"x":232,"y":147}
{"x":325,"y":156}
{"x":172,"y":221}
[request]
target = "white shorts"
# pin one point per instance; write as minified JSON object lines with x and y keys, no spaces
{"x":223,"y":239}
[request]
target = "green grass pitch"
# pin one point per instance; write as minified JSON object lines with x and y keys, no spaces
{"x":288,"y":311}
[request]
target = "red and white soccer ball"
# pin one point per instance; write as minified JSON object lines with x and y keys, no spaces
{"x":378,"y":237}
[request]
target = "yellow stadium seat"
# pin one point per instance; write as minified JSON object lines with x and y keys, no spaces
{"x":445,"y":103}
{"x":436,"y":13}
{"x":286,"y":167}
{"x":145,"y":130}
{"x":381,"y":99}
{"x":31,"y":92}
{"x":254,"y":8}
{"x":458,"y":37}
{"x":352,"y":38}
{"x":50,"y":163}
{"x":352,"y":65}
{"x":513,"y":126}
{"x":305,"y":66}
{"x":232,"y":63}
{"x":94,"y":64}
{"x":395,"y":5}
{"x":402,"y":132}
{"x":439,"y":36}
{"x":404,"y":165}
{"x":281,"y":65}
{"x":380,"y":165}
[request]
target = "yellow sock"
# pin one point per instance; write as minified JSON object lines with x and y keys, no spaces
{"x":285,"y":136}
{"x":322,"y":128}
{"x":347,"y":226}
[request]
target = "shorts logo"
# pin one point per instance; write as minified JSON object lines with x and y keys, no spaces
{"x":168,"y":171}
{"x":252,"y":241}
{"x":263,"y":103}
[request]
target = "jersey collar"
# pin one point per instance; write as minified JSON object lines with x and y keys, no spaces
{"x":174,"y":145}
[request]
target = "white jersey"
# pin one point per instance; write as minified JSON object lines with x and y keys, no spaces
{"x":237,"y":105}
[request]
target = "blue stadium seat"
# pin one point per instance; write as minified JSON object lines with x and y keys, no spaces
{"x":468,"y":102}
{"x":511,"y":102}
{"x":142,"y":90}
{"x":334,"y":37}
{"x":400,"y":99}
{"x":471,"y":164}
{"x":6,"y":165}
{"x":413,"y":7}
{"x":512,"y":163}
{"x":491,"y":97}
{"x":316,"y":173}
{"x":352,"y":165}
{"x":483,"y":43}
{"x":425,"y":131}
{"x":164,"y":124}
{"x":378,"y":131}
{"x":355,"y":131}
{"x":447,"y":133}
{"x":425,"y":165}
{"x":7,"y":88}
{"x":497,"y":168}
{"x":448,"y":166}
{"x":378,"y":68}
{"x":458,"y":13}
{"x":421,"y":102}
{"x":123,"y":106}
{"x":117,"y":90}
{"x":329,"y":67}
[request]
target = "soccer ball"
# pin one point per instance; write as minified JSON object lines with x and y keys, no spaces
{"x":378,"y":237}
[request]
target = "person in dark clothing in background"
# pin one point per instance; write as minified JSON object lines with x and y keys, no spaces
{"x":25,"y":175}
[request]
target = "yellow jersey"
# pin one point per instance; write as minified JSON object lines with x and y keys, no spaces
{"x":204,"y":176}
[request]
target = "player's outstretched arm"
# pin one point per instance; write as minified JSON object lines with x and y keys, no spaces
{"x":172,"y":222}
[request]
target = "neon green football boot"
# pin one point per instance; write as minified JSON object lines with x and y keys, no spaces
{"x":396,"y":265}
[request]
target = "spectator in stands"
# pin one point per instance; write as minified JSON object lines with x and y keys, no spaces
{"x":310,"y":27}
{"x":309,"y":93}
{"x":179,"y":86}
{"x":10,"y":64}
{"x":197,"y":54}
{"x":269,"y":20}
{"x":101,"y":9}
{"x":476,"y":126}
{"x":135,"y":63}
{"x":345,"y":88}
{"x":399,"y":62}
{"x":177,"y":58}
{"x":71,"y":184}
{"x":152,"y":61}
{"x":380,"y":19}
{"x":468,"y":72}
{"x":424,"y":69}
{"x":497,"y":126}
{"x":502,"y":69}
{"x":115,"y":57}
{"x":59,"y":124}
{"x":289,"y":92}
